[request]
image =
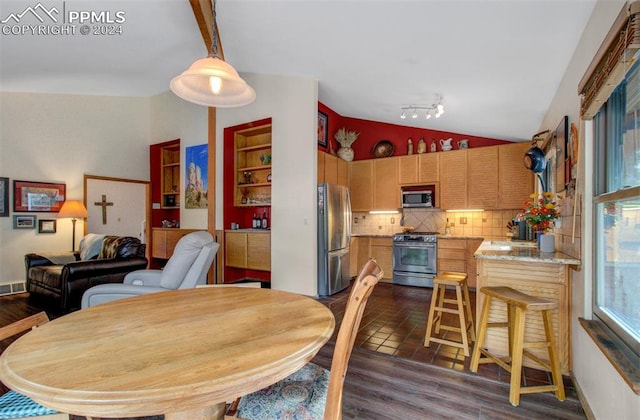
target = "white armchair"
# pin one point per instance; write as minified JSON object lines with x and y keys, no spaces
{"x":187,"y":268}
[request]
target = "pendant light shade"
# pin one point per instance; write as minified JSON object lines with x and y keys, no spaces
{"x":211,"y":81}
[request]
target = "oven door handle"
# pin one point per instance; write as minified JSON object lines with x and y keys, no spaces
{"x":414,"y":245}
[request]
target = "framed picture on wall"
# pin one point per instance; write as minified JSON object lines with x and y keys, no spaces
{"x":323,"y":127}
{"x":38,"y":196}
{"x":24,"y":221}
{"x":46,"y":226}
{"x":4,"y":197}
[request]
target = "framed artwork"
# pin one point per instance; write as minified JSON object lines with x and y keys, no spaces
{"x":323,"y":126}
{"x":4,"y":197}
{"x":561,"y":140}
{"x":46,"y":226}
{"x":22,"y":221}
{"x":196,"y":174}
{"x":38,"y":196}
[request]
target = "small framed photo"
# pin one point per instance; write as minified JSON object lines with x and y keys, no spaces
{"x":4,"y":197}
{"x":38,"y":196}
{"x":323,"y":128}
{"x":46,"y":226}
{"x":23,"y":221}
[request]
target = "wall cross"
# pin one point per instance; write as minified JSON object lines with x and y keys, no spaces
{"x":104,"y":203}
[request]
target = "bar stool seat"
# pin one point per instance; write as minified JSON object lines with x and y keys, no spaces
{"x":518,"y":304}
{"x":461,"y":307}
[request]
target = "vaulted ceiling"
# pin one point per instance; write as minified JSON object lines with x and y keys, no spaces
{"x":497,"y":63}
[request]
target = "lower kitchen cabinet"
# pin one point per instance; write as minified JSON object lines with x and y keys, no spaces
{"x":382,"y":251}
{"x":164,"y":240}
{"x":250,"y":250}
{"x":456,"y":254}
{"x":379,"y":248}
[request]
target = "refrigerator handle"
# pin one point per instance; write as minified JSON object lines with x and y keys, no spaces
{"x":348,"y":215}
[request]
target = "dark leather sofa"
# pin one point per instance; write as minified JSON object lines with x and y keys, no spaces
{"x":63,"y":284}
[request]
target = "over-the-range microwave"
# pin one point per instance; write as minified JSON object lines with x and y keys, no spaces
{"x":417,"y":198}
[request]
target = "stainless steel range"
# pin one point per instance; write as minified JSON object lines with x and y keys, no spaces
{"x":414,"y":258}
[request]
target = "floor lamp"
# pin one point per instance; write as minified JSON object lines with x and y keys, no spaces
{"x":75,"y":210}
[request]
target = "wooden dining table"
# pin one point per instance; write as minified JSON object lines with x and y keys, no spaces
{"x":180,"y":353}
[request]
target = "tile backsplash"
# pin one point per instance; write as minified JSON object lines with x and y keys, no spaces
{"x":490,"y":223}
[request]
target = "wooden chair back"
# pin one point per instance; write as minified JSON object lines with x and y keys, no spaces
{"x":361,"y":289}
{"x":23,"y":325}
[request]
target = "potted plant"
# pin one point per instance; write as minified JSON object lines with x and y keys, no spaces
{"x":540,"y":212}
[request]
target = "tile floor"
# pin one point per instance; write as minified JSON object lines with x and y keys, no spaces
{"x":395,"y":320}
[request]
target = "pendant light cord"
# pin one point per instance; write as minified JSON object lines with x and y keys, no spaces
{"x":215,"y":50}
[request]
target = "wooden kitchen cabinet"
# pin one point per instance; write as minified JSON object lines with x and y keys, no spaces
{"x":456,"y":254}
{"x":164,"y":240}
{"x":251,"y":250}
{"x":515,"y":182}
{"x":472,"y":265}
{"x":429,"y":168}
{"x":407,"y":169}
{"x":419,"y":169}
{"x":382,"y":251}
{"x":332,"y":170}
{"x":361,"y":184}
{"x":482,"y":174}
{"x":452,"y":255}
{"x":379,"y":248}
{"x":453,"y":180}
{"x":354,"y":268}
{"x":252,"y":175}
{"x":386,"y":193}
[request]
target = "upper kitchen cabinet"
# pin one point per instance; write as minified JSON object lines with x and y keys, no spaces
{"x":419,"y":169}
{"x":453,"y":180}
{"x":514,"y":180}
{"x":373,"y":184}
{"x":332,"y":169}
{"x":253,"y":166}
{"x":483,"y":177}
{"x":361,"y":184}
{"x":386,"y":194}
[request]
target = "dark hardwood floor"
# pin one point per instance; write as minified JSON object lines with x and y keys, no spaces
{"x":392,"y":376}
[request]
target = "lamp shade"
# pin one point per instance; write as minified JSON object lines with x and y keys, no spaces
{"x":213,"y":82}
{"x":73,"y":209}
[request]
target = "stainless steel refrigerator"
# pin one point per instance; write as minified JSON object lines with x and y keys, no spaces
{"x":334,"y":235}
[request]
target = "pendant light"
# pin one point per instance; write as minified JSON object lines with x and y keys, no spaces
{"x":211,"y":81}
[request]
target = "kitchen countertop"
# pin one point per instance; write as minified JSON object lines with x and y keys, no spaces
{"x":521,"y":251}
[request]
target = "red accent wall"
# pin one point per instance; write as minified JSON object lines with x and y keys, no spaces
{"x":155,"y":175}
{"x":241,"y":215}
{"x":371,"y":132}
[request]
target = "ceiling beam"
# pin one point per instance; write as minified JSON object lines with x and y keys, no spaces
{"x":203,"y":12}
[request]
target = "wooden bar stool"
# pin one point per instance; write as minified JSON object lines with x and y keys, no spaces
{"x":462,"y":308}
{"x":518,"y":304}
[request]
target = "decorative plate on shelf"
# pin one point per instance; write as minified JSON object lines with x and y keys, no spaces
{"x":383,"y":149}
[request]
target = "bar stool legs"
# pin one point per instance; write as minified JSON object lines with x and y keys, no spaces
{"x":462,"y":308}
{"x":517,"y":305}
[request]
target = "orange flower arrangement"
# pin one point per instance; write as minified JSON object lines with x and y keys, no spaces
{"x":540,"y":210}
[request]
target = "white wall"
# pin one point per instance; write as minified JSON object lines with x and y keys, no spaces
{"x":173,"y":118}
{"x":292,"y":104}
{"x":608,"y":396}
{"x":59,"y":138}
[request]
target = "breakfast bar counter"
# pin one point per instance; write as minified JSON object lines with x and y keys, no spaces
{"x":520,"y":265}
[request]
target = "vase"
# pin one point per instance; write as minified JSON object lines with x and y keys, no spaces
{"x":345,"y":153}
{"x":547,"y":242}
